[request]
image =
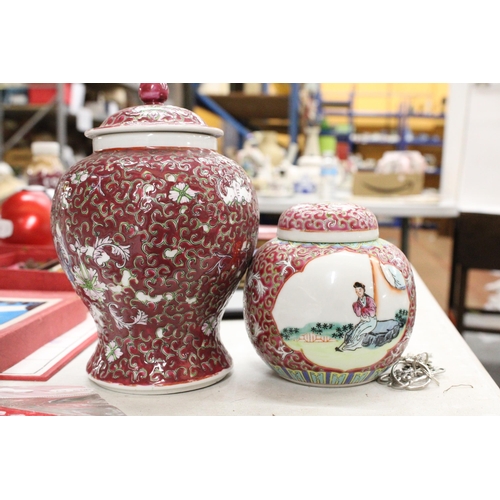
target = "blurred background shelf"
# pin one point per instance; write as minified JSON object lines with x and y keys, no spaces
{"x":56,"y":112}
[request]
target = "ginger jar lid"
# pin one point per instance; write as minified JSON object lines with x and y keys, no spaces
{"x":154,"y":123}
{"x":327,"y":223}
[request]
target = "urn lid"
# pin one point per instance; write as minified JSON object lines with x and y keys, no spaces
{"x":153,"y":116}
{"x":327,"y":223}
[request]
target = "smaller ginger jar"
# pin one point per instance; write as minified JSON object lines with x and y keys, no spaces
{"x":327,"y":302}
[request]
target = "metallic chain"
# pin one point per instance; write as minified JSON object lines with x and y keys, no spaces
{"x":411,"y":373}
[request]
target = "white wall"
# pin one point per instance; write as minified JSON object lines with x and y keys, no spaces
{"x":471,"y":155}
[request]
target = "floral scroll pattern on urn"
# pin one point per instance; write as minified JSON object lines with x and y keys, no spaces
{"x":327,"y":302}
{"x":155,"y":230}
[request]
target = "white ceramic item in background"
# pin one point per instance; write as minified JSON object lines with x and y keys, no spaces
{"x":270,"y":147}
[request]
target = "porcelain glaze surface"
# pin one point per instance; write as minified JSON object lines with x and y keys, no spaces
{"x":329,"y":314}
{"x":155,"y":242}
{"x":327,"y":223}
{"x":326,"y":217}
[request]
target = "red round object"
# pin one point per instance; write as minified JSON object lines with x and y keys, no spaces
{"x":29,"y":212}
{"x":153,"y":93}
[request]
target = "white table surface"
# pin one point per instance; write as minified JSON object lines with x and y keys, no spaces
{"x":427,"y":204}
{"x":465,"y":388}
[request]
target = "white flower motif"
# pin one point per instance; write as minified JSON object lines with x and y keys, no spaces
{"x":78,"y":177}
{"x":210,"y":326}
{"x":113,"y":352}
{"x":87,"y":279}
{"x":181,"y":193}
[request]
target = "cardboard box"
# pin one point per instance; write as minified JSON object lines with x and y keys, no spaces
{"x":18,"y":158}
{"x":374,"y":184}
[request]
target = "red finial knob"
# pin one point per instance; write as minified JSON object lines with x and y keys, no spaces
{"x":153,"y":93}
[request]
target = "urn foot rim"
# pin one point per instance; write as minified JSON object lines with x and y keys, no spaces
{"x":164,"y":388}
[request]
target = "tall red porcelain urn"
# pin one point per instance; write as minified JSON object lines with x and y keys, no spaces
{"x":155,"y":230}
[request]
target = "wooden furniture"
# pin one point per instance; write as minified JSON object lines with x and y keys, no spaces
{"x":476,"y":246}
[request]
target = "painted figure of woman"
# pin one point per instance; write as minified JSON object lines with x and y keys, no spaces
{"x":365,"y":308}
